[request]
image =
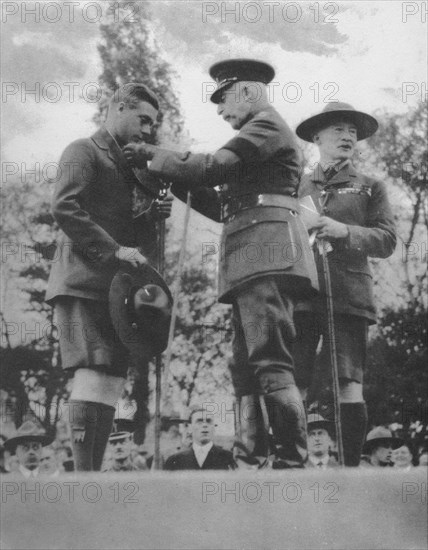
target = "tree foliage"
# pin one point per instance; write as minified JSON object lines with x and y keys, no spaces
{"x":129,"y":53}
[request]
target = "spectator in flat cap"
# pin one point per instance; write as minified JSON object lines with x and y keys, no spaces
{"x":320,"y":443}
{"x":27,"y":445}
{"x":379,"y":446}
{"x":120,"y":447}
{"x":107,"y":217}
{"x":250,"y":184}
{"x":203,"y":454}
{"x":354,"y":222}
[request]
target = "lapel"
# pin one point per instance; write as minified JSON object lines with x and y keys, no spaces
{"x":211,"y":457}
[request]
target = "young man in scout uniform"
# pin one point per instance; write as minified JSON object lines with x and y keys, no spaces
{"x":357,"y":222}
{"x":265,"y":260}
{"x":93,"y":206}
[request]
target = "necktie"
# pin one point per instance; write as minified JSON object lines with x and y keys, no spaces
{"x":319,"y":465}
{"x":330,"y":172}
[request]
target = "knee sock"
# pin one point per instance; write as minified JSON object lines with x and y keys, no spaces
{"x":90,"y":424}
{"x":354,"y":424}
{"x":104,"y":426}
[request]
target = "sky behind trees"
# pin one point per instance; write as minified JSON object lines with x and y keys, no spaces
{"x":361,"y":52}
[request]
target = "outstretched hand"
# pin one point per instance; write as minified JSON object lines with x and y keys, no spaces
{"x":137,"y":154}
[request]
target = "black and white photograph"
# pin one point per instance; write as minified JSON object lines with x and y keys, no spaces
{"x":213,"y":275}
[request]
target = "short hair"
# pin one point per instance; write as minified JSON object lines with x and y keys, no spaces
{"x":198,"y":408}
{"x":134,"y":92}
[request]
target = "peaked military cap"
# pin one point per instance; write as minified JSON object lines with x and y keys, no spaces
{"x":229,"y":71}
{"x":366,"y":124}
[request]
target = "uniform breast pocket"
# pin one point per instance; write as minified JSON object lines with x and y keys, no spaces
{"x":359,"y":284}
{"x":349,"y":207}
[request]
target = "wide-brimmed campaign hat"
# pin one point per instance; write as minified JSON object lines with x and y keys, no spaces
{"x":366,"y":124}
{"x":140,"y":304}
{"x":229,"y":71}
{"x":378,"y":436}
{"x":28,"y":431}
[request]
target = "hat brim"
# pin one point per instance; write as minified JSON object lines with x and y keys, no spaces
{"x":366,"y":124}
{"x":11,"y":443}
{"x":396,"y":443}
{"x":323,"y":424}
{"x":216,"y":96}
{"x":142,"y":344}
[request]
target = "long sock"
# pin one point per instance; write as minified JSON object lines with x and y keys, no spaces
{"x":83,"y":423}
{"x":354,"y":424}
{"x":104,"y":426}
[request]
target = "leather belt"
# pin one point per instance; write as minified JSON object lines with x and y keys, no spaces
{"x":235,"y":204}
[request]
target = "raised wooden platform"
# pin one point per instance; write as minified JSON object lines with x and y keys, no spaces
{"x":346,"y":509}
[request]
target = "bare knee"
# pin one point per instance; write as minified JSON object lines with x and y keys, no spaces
{"x":97,"y":386}
{"x":350,"y":391}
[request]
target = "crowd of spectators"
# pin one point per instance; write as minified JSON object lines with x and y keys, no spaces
{"x":189,"y":443}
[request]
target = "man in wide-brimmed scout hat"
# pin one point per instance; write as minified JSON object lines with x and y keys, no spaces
{"x":27,"y":444}
{"x":250,"y":184}
{"x":357,"y":223}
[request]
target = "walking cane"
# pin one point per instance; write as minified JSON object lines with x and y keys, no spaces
{"x":176,"y":293}
{"x":162,"y":388}
{"x":323,"y":247}
{"x":158,"y":361}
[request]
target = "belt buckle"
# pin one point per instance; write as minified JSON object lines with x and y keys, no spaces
{"x":260,"y":200}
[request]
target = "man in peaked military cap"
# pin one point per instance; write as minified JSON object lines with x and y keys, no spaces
{"x":265,"y":260}
{"x":356,"y":219}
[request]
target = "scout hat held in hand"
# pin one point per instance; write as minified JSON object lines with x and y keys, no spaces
{"x":140,"y":305}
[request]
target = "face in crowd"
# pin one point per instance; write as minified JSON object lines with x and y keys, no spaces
{"x":319,"y":442}
{"x":382,"y":453}
{"x":121,"y":448}
{"x":337,"y":142}
{"x":402,"y":457}
{"x":202,"y":427}
{"x":29,"y":454}
{"x":48,"y":461}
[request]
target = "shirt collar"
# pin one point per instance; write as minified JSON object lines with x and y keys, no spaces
{"x":28,"y":473}
{"x":337,"y":165}
{"x":315,"y":460}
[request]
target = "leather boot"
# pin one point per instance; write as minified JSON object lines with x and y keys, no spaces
{"x":288,"y":422}
{"x":252,"y":445}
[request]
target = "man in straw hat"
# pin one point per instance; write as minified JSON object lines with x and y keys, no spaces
{"x":356,"y":220}
{"x":265,"y":259}
{"x":27,"y":444}
{"x":93,"y":205}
